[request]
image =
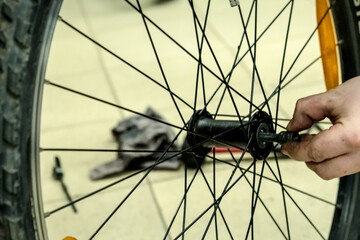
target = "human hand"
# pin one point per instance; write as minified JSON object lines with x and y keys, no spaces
{"x":334,"y":152}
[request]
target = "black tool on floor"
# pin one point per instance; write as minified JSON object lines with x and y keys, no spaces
{"x":58,"y":174}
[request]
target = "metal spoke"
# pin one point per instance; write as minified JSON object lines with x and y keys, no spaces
{"x":207,"y":40}
{"x":228,"y":77}
{"x":159,"y":64}
{"x":277,"y":112}
{"x":244,"y":55}
{"x":173,"y":40}
{"x":296,"y":204}
{"x":253,"y":59}
{"x":135,"y":187}
{"x":180,"y":204}
{"x":304,"y":46}
{"x":261,"y":106}
{"x":216,"y":206}
{"x":215,"y":202}
{"x":104,"y":150}
{"x":185,"y":197}
{"x":282,"y":64}
{"x":251,"y":224}
{"x":189,"y":149}
{"x":146,"y":116}
{"x":122,"y":60}
{"x":261,"y":201}
{"x":227,"y":185}
{"x":218,"y":65}
{"x":275,"y":181}
{"x":200,"y":48}
{"x":214,"y":198}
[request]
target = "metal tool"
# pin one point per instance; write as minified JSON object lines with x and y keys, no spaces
{"x":58,"y":175}
{"x":234,"y":3}
{"x":282,"y":137}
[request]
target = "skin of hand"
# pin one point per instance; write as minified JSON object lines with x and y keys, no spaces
{"x":334,"y":152}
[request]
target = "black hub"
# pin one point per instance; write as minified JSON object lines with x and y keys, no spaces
{"x":206,"y":133}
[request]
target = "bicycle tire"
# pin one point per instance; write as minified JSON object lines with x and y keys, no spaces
{"x":25,"y":32}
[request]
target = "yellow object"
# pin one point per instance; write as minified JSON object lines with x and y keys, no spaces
{"x":327,"y":45}
{"x":69,"y":238}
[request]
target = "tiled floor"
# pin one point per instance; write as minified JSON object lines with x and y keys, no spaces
{"x":72,"y":121}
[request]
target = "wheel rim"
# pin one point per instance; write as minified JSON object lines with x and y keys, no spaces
{"x":284,"y":232}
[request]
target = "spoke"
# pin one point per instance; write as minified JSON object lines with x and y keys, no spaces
{"x":214,"y":187}
{"x":122,"y":60}
{"x":185,"y":193}
{"x":183,"y":199}
{"x":200,"y":47}
{"x":104,"y":150}
{"x":215,"y":202}
{"x":135,"y":187}
{"x":275,"y":181}
{"x":244,"y":55}
{"x":223,"y":80}
{"x":251,"y":224}
{"x":206,"y":39}
{"x":263,"y":32}
{"x":158,"y":161}
{"x":227,"y":185}
{"x":253,"y":59}
{"x":254,"y":62}
{"x":157,"y":204}
{"x":149,"y":117}
{"x":216,"y":206}
{"x":277,"y":112}
{"x":228,"y":77}
{"x":296,"y":204}
{"x":173,"y":40}
{"x":192,"y":56}
{"x":306,"y":43}
{"x":189,"y":149}
{"x":282,"y":64}
{"x":303,"y":47}
{"x":261,"y":106}
{"x":181,"y":202}
{"x":258,"y":197}
{"x":159,"y":64}
{"x":283,"y":194}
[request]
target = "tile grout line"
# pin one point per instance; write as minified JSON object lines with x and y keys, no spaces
{"x":158,"y":207}
{"x":100,"y":58}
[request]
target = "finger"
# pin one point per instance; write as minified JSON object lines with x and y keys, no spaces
{"x":327,"y":144}
{"x":337,"y":167}
{"x":311,"y":109}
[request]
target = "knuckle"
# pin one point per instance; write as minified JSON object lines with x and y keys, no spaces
{"x":300,"y":103}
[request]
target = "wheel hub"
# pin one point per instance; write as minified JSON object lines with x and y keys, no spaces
{"x":205,"y":133}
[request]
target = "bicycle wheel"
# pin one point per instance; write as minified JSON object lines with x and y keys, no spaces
{"x":212,"y":201}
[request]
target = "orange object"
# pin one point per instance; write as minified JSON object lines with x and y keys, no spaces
{"x":69,"y":238}
{"x":225,"y":150}
{"x":327,"y":40}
